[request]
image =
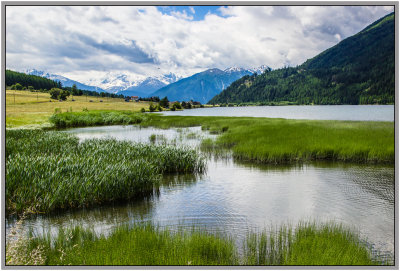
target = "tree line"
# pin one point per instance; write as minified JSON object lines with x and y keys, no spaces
{"x":22,"y":81}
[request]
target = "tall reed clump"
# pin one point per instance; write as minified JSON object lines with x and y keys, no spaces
{"x":308,"y":244}
{"x":146,"y":244}
{"x":93,"y":118}
{"x":52,"y":170}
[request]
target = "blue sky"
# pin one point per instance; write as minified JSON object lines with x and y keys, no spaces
{"x":91,"y":43}
{"x":197,"y":12}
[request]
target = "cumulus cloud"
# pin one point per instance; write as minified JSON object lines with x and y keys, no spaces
{"x":89,"y":41}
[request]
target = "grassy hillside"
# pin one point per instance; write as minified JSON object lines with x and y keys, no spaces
{"x":358,"y":70}
{"x":26,"y":108}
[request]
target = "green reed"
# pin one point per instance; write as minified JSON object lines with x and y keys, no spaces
{"x":307,"y":244}
{"x":95,"y":118}
{"x":52,"y":170}
{"x":276,"y":141}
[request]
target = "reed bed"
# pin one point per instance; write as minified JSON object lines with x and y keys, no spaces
{"x":146,"y":244}
{"x":278,"y":141}
{"x":51,"y":170}
{"x":95,"y":118}
{"x":308,"y":244}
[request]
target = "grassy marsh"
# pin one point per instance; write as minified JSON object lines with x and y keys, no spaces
{"x":51,"y":170}
{"x":276,"y":141}
{"x":308,"y":244}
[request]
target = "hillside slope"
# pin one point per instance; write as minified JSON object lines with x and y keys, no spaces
{"x":358,"y":70}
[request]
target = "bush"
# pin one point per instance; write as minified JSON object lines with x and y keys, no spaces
{"x":177,"y":105}
{"x":17,"y":86}
{"x":59,"y":94}
{"x":152,"y":107}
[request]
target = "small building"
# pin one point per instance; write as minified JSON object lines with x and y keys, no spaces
{"x":135,"y":98}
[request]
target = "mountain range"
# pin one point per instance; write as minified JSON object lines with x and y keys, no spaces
{"x":205,"y":85}
{"x":358,"y":70}
{"x":198,"y":87}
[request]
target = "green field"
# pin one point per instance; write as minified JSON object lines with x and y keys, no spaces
{"x":308,"y":244}
{"x":34,"y":108}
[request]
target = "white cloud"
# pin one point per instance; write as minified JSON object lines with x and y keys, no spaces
{"x":84,"y":41}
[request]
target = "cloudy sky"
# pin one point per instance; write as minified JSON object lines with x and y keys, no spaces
{"x":87,"y":42}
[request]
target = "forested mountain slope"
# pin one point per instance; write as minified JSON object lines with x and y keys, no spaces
{"x":358,"y":70}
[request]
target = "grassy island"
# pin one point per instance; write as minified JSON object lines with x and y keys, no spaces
{"x":276,"y":141}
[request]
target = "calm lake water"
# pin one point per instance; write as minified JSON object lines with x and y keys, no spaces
{"x":316,"y":112}
{"x":235,"y":198}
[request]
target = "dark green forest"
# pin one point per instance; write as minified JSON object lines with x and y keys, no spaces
{"x":358,"y":70}
{"x":26,"y":80}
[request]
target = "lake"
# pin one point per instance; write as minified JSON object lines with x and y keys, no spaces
{"x":235,"y":197}
{"x":315,"y":112}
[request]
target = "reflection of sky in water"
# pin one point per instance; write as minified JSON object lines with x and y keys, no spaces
{"x":175,"y":136}
{"x":237,"y":197}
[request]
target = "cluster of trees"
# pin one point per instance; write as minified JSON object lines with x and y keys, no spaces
{"x":165,"y":103}
{"x":154,"y":99}
{"x":358,"y":70}
{"x":59,"y":94}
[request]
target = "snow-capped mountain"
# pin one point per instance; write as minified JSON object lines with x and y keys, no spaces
{"x":135,"y":85}
{"x":212,"y":82}
{"x":66,"y":82}
{"x":258,"y":70}
{"x":126,"y":84}
{"x":205,"y":85}
{"x":261,"y":69}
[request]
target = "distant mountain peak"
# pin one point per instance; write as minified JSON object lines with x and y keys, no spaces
{"x":234,"y":69}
